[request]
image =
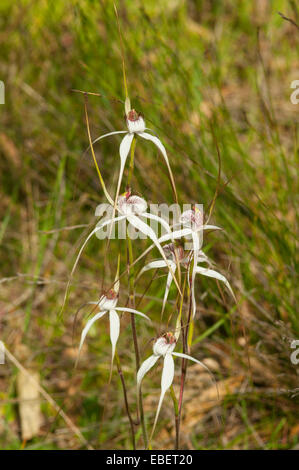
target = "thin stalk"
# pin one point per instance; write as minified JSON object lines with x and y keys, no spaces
{"x":122,"y":50}
{"x":177,"y":417}
{"x":93,"y":154}
{"x":134,"y":334}
{"x":131,"y":272}
{"x":131,"y":168}
{"x":121,"y":376}
{"x":185,"y":349}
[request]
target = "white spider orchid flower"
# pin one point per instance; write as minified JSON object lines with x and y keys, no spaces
{"x":108,"y":304}
{"x":184,"y":259}
{"x":173,"y":254}
{"x":176,"y":234}
{"x":136,"y":126}
{"x":164,"y":348}
{"x":133,"y":209}
{"x":193,"y":219}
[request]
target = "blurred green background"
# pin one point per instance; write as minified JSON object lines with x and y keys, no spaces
{"x":195,"y":69}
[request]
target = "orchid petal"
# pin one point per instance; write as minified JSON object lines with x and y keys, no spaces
{"x":153,"y":265}
{"x":116,"y":279}
{"x":215,"y":275}
{"x":144,"y":228}
{"x":166,"y":381}
{"x":114,"y":330}
{"x":124,"y":150}
{"x":157,"y":142}
{"x":99,"y":227}
{"x":195,"y":239}
{"x":176,"y":234}
{"x":144,"y":368}
{"x":88,"y":326}
{"x":203,"y":258}
{"x":209,"y":227}
{"x":161,"y":147}
{"x":107,"y":135}
{"x":160,"y":264}
{"x":200,"y":227}
{"x":167,"y":237}
{"x":132,"y":310}
{"x":157,"y":219}
{"x":185,"y":356}
{"x":167,"y":288}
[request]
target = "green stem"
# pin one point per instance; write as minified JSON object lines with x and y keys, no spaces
{"x":132,"y":156}
{"x":131,"y":273}
{"x":186,"y":348}
{"x":134,"y":333}
{"x":126,"y":399}
{"x":176,"y":416}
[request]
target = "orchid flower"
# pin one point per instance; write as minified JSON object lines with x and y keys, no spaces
{"x":133,"y":209}
{"x":184,"y":260}
{"x":173,"y":254}
{"x":176,"y":234}
{"x":108,"y":304}
{"x":164,"y":348}
{"x":136,"y":126}
{"x":193,"y":219}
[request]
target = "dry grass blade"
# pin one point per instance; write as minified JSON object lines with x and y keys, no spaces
{"x":50,"y":400}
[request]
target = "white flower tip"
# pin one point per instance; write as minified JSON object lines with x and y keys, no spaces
{"x":164,"y":345}
{"x":129,"y":204}
{"x":135,"y":121}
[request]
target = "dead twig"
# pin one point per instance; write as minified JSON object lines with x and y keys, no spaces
{"x":288,"y":19}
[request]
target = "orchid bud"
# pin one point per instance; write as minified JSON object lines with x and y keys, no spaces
{"x":135,"y":122}
{"x":164,"y":345}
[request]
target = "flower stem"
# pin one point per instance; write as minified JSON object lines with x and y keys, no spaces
{"x":93,"y":154}
{"x":122,"y":55}
{"x":131,"y":168}
{"x":126,"y":399}
{"x":130,"y":260}
{"x":177,"y":417}
{"x":134,"y":334}
{"x":186,"y":347}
